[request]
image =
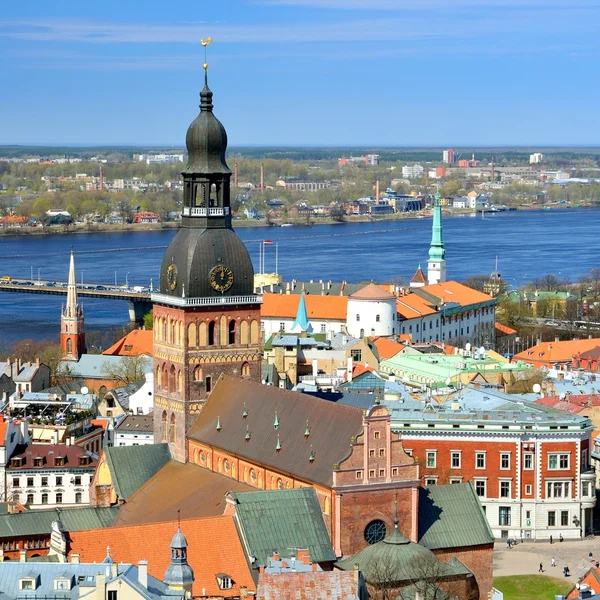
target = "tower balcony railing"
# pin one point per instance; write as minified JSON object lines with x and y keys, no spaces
{"x":199,"y":211}
{"x":211,"y":301}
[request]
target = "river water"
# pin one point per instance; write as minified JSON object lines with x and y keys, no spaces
{"x":528,"y":245}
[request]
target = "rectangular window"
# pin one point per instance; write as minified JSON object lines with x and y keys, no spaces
{"x":44,"y":481}
{"x":376,"y":435}
{"x":208,"y":383}
{"x":323,"y":328}
{"x":480,"y":460}
{"x":528,"y":461}
{"x":558,"y":489}
{"x":281,"y":326}
{"x":505,"y":460}
{"x":371,"y":452}
{"x":30,"y":482}
{"x":381,"y":472}
{"x":528,"y":514}
{"x":551,"y":518}
{"x":585,"y":488}
{"x":381,"y":452}
{"x":26,"y":584}
{"x":430,"y":481}
{"x":15,"y":482}
{"x":504,"y":515}
{"x":358,"y":474}
{"x":480,"y":488}
{"x":528,"y":489}
{"x":505,"y":489}
{"x":58,"y":498}
{"x":29,"y":498}
{"x":564,"y":518}
{"x":77,"y":479}
{"x":395,"y":471}
{"x":455,"y":479}
{"x":455,"y":460}
{"x":431,"y":459}
{"x":356,"y":355}
{"x":112,"y":595}
{"x":558,"y":461}
{"x":59,"y":481}
{"x":44,"y":498}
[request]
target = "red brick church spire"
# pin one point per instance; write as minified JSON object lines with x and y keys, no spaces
{"x":72,"y":335}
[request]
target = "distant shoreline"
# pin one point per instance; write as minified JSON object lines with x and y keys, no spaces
{"x":145,"y":227}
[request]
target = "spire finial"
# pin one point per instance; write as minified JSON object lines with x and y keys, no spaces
{"x":278,"y":445}
{"x":179,"y":519}
{"x":205,"y":43}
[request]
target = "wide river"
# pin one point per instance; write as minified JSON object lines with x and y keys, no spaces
{"x":564,"y":242}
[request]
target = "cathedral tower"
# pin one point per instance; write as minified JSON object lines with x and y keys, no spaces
{"x":436,"y":265}
{"x":206,"y":315}
{"x":72,"y":335}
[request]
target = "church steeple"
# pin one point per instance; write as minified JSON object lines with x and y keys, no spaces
{"x":72,"y":335}
{"x":301,"y":324}
{"x":436,"y":265}
{"x":179,"y":575}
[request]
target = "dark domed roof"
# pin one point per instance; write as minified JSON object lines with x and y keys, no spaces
{"x":206,"y":140}
{"x":195,"y":252}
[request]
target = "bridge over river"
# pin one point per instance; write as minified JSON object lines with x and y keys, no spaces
{"x":139,"y":302}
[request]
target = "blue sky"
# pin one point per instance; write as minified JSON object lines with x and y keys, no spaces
{"x":302,"y":72}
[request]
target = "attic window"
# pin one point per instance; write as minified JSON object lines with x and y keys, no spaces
{"x":62,"y":584}
{"x":84,"y":460}
{"x":17,"y":462}
{"x":127,"y":347}
{"x":27,"y":583}
{"x":225,"y":582}
{"x":38,"y":462}
{"x":59,"y":461}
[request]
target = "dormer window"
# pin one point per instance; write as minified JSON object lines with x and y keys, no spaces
{"x":28,"y":582}
{"x":62,"y":584}
{"x":84,"y":460}
{"x":38,"y":461}
{"x":225,"y":581}
{"x":59,"y":461}
{"x":17,"y":462}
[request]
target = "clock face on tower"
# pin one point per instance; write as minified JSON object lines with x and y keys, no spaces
{"x":172,"y":276}
{"x":221,"y":278}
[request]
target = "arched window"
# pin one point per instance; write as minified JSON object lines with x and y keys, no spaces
{"x":192,"y":337}
{"x":69,"y":346}
{"x":327,"y":505}
{"x":172,"y":429}
{"x":164,"y":330}
{"x":165,"y":377}
{"x":172,"y":381}
{"x":377,"y":319}
{"x":158,"y":376}
{"x":211,"y":333}
{"x":357,"y":318}
{"x":164,"y":426}
{"x":231,"y":332}
{"x":245,"y":369}
{"x":174,"y":333}
{"x":213,"y":195}
{"x":179,"y":381}
{"x":198,"y":373}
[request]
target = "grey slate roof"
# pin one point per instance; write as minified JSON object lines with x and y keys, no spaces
{"x":35,"y":522}
{"x":451,"y":516}
{"x":122,"y":394}
{"x":277,"y":520}
{"x":132,"y":466}
{"x":136,"y":424}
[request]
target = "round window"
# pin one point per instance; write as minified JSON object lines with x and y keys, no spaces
{"x":253,"y":474}
{"x":375,"y":532}
{"x":226,"y":466}
{"x":202,"y":458}
{"x":280,"y":484}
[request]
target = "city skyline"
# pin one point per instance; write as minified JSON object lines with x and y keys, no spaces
{"x":302,"y":72}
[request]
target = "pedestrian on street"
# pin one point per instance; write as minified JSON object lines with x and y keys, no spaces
{"x":565,"y":571}
{"x":591,"y":557}
{"x":560,"y":537}
{"x":553,"y":563}
{"x":541,"y":568}
{"x":551,"y":539}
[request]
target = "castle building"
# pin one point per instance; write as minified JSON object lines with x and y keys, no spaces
{"x":206,"y":315}
{"x":72,"y":335}
{"x":436,"y":265}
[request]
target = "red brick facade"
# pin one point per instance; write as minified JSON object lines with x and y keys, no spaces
{"x":193,"y":346}
{"x":479,"y":559}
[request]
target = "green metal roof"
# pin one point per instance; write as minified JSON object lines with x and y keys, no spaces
{"x":451,"y":516}
{"x":131,"y":466}
{"x":280,"y":520}
{"x":36,"y":522}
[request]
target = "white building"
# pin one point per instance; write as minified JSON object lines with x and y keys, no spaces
{"x":412,"y":171}
{"x":15,"y":433}
{"x":135,"y":430}
{"x":371,"y":312}
{"x":50,"y":475}
{"x":142,"y":401}
{"x":535,"y":158}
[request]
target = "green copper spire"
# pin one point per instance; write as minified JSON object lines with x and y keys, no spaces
{"x":301,"y":324}
{"x":276,"y":422}
{"x":436,"y":249}
{"x":278,"y":446}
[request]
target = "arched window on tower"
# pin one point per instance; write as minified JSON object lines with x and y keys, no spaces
{"x":69,"y":346}
{"x":213,"y":195}
{"x":211,"y":333}
{"x":179,"y":381}
{"x":165,"y":378}
{"x":172,"y":429}
{"x":164,"y":330}
{"x":158,"y":376}
{"x":245,"y":370}
{"x":231,"y":332}
{"x":172,"y":384}
{"x":198,"y":373}
{"x":164,"y":426}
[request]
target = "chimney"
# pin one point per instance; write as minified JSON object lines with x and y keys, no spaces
{"x":114,"y":569}
{"x":75,"y":559}
{"x":315,"y":367}
{"x":37,"y":361}
{"x":143,"y":573}
{"x":349,"y":372}
{"x":23,"y":556}
{"x":100,"y":586}
{"x":276,"y":556}
{"x":356,"y":574}
{"x":243,"y":592}
{"x":283,"y":564}
{"x":55,"y":436}
{"x":314,"y":567}
{"x":304,"y":557}
{"x":377,"y":192}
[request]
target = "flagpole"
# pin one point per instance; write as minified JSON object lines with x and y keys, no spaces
{"x":260,"y":258}
{"x":276,"y":257}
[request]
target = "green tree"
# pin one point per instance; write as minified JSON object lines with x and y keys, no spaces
{"x":148,"y":321}
{"x":40,"y":207}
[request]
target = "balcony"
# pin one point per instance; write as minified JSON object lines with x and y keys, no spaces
{"x":214,"y":211}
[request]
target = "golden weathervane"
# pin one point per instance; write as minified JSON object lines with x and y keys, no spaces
{"x":205,"y":42}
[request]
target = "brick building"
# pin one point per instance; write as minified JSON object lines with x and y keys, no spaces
{"x":530,"y":465}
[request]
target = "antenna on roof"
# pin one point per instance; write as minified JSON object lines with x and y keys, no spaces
{"x":178,"y":518}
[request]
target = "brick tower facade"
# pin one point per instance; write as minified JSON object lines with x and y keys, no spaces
{"x":72,"y":334}
{"x":206,"y":315}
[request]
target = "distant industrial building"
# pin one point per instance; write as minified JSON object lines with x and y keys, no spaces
{"x":449,"y":156}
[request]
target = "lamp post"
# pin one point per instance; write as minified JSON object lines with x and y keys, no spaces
{"x":127,"y":281}
{"x":115,"y":279}
{"x":82,"y":277}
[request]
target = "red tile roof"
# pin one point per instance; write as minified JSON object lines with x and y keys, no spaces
{"x":419,"y":277}
{"x":505,"y":329}
{"x":372,"y":292}
{"x":317,"y":307}
{"x":48,"y":452}
{"x":387,"y":348}
{"x":320,"y":585}
{"x":556,"y":352}
{"x":135,"y":343}
{"x":3,"y":427}
{"x":213,"y":547}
